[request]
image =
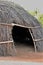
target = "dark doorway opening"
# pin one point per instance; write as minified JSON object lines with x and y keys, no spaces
{"x":22,"y":37}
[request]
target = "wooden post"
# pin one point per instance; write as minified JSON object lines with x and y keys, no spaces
{"x":33,"y":40}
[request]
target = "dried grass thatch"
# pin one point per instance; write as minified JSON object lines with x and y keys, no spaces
{"x":12,"y":13}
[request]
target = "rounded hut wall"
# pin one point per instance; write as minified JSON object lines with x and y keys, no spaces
{"x":6,"y":49}
{"x":11,"y":13}
{"x":8,"y":15}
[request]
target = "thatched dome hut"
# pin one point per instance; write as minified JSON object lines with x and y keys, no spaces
{"x":23,"y":21}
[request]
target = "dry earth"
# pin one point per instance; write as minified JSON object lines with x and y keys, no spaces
{"x":25,"y":53}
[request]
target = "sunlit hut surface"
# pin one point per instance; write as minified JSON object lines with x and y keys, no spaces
{"x":27,"y":30}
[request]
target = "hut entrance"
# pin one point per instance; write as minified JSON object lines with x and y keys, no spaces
{"x":22,"y":38}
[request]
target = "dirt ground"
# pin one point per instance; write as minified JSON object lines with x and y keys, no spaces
{"x":23,"y":50}
{"x":24,"y":53}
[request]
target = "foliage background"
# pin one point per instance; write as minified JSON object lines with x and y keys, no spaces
{"x":36,"y":13}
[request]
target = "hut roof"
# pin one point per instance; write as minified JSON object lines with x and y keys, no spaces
{"x":13,"y":13}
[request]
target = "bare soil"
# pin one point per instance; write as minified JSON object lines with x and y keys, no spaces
{"x":23,"y":50}
{"x":24,"y":53}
